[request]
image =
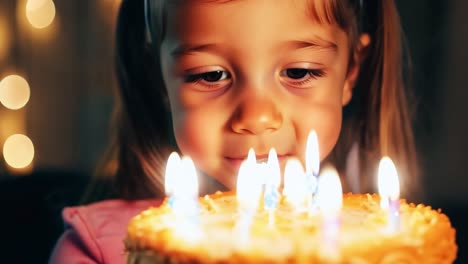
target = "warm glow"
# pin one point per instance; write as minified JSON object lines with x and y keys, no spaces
{"x":40,"y":13}
{"x":388,"y":183}
{"x":14,"y":92}
{"x":172,"y":170}
{"x":18,"y":151}
{"x":5,"y":37}
{"x":249,"y":183}
{"x":330,"y":193}
{"x":11,"y":122}
{"x":312,"y":154}
{"x":295,"y":187}
{"x":273,"y":176}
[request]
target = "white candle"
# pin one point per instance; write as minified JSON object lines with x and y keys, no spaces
{"x":185,"y":190}
{"x":249,"y":189}
{"x":389,"y":191}
{"x":181,"y":184}
{"x":295,"y":185}
{"x":330,"y":202}
{"x":249,"y":184}
{"x":172,"y":171}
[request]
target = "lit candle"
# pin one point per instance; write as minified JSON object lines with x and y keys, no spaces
{"x":249,"y":189}
{"x":312,"y":164}
{"x":389,"y":191}
{"x":295,"y":188}
{"x":249,"y":184}
{"x":272,"y":182}
{"x":185,"y":189}
{"x":330,"y":202}
{"x":172,"y":172}
{"x":181,"y":185}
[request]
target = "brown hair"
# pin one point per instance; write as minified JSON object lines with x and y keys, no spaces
{"x":377,"y":118}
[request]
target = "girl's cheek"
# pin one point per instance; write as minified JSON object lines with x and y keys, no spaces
{"x":326,"y":121}
{"x":196,"y":133}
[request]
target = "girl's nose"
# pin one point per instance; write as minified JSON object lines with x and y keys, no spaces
{"x":256,"y":115}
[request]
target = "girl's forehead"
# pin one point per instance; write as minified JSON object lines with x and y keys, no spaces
{"x":323,"y":11}
{"x":247,"y":21}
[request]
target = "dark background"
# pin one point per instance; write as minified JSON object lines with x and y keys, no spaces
{"x":69,"y":67}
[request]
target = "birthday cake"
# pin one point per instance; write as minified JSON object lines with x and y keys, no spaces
{"x":423,"y":235}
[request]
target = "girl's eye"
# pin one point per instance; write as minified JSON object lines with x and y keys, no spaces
{"x":210,"y":77}
{"x":296,"y":73}
{"x":301,"y":76}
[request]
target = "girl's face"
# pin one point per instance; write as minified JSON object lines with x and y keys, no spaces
{"x":252,"y":74}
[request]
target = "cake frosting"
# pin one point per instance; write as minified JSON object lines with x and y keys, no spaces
{"x":424,"y":235}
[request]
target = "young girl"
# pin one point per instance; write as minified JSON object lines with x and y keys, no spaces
{"x":212,"y":79}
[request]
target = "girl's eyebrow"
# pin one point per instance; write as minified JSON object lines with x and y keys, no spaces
{"x":309,"y":44}
{"x":184,"y":49}
{"x":316,"y":43}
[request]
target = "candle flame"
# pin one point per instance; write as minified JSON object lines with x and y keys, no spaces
{"x":172,"y":170}
{"x":312,"y":157}
{"x":181,"y":184}
{"x":295,"y":187}
{"x":251,"y":156}
{"x":249,"y":183}
{"x":388,"y":183}
{"x":271,"y":194}
{"x":330,"y":193}
{"x":273,"y":176}
{"x":188,"y":183}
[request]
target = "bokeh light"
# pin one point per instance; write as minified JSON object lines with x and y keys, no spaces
{"x":40,"y":13}
{"x":18,"y":151}
{"x":14,"y":92}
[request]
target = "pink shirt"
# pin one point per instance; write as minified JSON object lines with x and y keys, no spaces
{"x":94,"y":233}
